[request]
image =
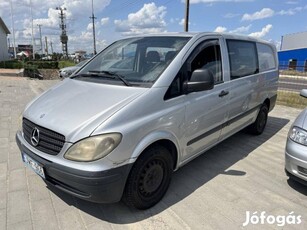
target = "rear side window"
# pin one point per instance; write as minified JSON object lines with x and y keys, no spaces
{"x":266,"y":56}
{"x":243,"y":58}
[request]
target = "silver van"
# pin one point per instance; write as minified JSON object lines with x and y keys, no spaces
{"x":142,"y":108}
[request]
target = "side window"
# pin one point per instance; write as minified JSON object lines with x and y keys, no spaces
{"x":207,"y":56}
{"x":176,"y":88}
{"x":243,"y":58}
{"x":266,"y":57}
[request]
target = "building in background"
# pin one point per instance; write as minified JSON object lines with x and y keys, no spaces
{"x":293,"y":52}
{"x":4,"y":31}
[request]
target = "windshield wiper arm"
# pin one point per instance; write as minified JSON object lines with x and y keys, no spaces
{"x":110,"y":74}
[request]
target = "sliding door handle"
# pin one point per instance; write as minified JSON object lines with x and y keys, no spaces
{"x":223,"y":93}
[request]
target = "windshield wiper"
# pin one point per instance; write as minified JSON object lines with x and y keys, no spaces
{"x":110,"y":74}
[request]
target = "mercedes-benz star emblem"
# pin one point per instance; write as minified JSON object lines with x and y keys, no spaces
{"x":35,"y":137}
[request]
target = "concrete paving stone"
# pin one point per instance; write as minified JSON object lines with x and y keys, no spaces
{"x":37,"y":188}
{"x":43,"y":215}
{"x":3,"y":170}
{"x":13,"y":148}
{"x":18,"y":208}
{"x":101,"y":225}
{"x":4,"y":155}
{"x":70,"y":218}
{"x":22,"y":225}
{"x":2,"y":219}
{"x":15,"y":162}
{"x":90,"y":212}
{"x":62,"y":202}
{"x":4,"y":133}
{"x":4,"y":142}
{"x":3,"y":193}
{"x":17,"y":180}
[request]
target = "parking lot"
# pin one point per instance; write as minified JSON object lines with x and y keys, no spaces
{"x":243,"y":174}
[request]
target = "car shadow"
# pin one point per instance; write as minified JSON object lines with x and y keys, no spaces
{"x":301,"y":188}
{"x":187,"y":179}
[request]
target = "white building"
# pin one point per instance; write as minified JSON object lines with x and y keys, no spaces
{"x":4,"y":31}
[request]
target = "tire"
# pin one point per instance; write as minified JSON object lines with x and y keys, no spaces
{"x":149,"y":178}
{"x":258,"y":126}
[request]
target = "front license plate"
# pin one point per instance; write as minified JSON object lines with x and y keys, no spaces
{"x":32,"y":164}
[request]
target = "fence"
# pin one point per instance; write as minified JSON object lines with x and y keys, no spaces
{"x":293,"y":64}
{"x":290,"y":84}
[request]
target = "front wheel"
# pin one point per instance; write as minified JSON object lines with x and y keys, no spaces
{"x":149,"y":178}
{"x":258,"y":126}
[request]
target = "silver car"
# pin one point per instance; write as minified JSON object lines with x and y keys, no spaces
{"x":144,"y":107}
{"x":67,"y":71}
{"x":296,"y":148}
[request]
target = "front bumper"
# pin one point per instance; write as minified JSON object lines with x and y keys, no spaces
{"x":100,"y":187}
{"x":296,"y":160}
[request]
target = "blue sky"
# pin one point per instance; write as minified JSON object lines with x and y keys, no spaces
{"x":267,"y":19}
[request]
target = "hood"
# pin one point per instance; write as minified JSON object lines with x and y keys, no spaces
{"x":75,"y":108}
{"x":301,"y":120}
{"x":304,"y":114}
{"x":70,"y":68}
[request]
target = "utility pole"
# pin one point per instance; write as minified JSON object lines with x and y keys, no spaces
{"x":33,"y":51}
{"x":93,"y":21}
{"x":40,"y":37}
{"x":186,"y":20}
{"x":51,"y":47}
{"x":63,"y":37}
{"x":46,"y":45}
{"x":13,"y":28}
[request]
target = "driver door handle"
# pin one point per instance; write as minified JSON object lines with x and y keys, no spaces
{"x":223,"y":93}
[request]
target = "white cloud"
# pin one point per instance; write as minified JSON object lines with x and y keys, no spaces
{"x":264,"y":13}
{"x":149,"y":19}
{"x":265,"y":30}
{"x":290,"y":12}
{"x":292,"y":2}
{"x":220,"y":29}
{"x":104,"y":21}
{"x":44,"y":13}
{"x":182,"y":21}
{"x":242,"y":29}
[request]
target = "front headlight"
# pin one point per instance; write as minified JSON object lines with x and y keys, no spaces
{"x":93,"y":148}
{"x":298,"y":135}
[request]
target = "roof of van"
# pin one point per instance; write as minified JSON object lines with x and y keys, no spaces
{"x":200,"y":34}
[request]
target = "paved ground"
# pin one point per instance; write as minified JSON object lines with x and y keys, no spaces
{"x":244,"y":173}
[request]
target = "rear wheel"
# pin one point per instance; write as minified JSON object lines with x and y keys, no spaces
{"x":258,"y":126}
{"x":149,"y":178}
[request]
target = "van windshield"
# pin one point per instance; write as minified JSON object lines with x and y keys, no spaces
{"x":134,"y":61}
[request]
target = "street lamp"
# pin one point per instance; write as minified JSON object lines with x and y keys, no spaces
{"x":40,"y":36}
{"x":33,"y":52}
{"x":93,"y":21}
{"x":13,"y":28}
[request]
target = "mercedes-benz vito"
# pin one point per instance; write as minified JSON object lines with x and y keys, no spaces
{"x":142,"y":108}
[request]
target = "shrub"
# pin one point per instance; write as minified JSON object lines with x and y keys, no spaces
{"x":44,"y":64}
{"x":11,"y":64}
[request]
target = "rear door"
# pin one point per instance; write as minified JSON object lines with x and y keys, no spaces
{"x":243,"y":66}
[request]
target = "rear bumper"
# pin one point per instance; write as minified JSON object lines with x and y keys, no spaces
{"x":100,"y":187}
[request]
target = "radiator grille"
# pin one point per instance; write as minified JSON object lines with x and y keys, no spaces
{"x":49,"y":142}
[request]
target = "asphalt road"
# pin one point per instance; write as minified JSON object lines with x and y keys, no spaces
{"x":295,"y":84}
{"x":242,"y":176}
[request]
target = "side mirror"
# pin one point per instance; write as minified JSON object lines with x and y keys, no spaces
{"x":201,"y":79}
{"x":304,"y":93}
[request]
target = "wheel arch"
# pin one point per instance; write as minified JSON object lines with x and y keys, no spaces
{"x":162,"y":138}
